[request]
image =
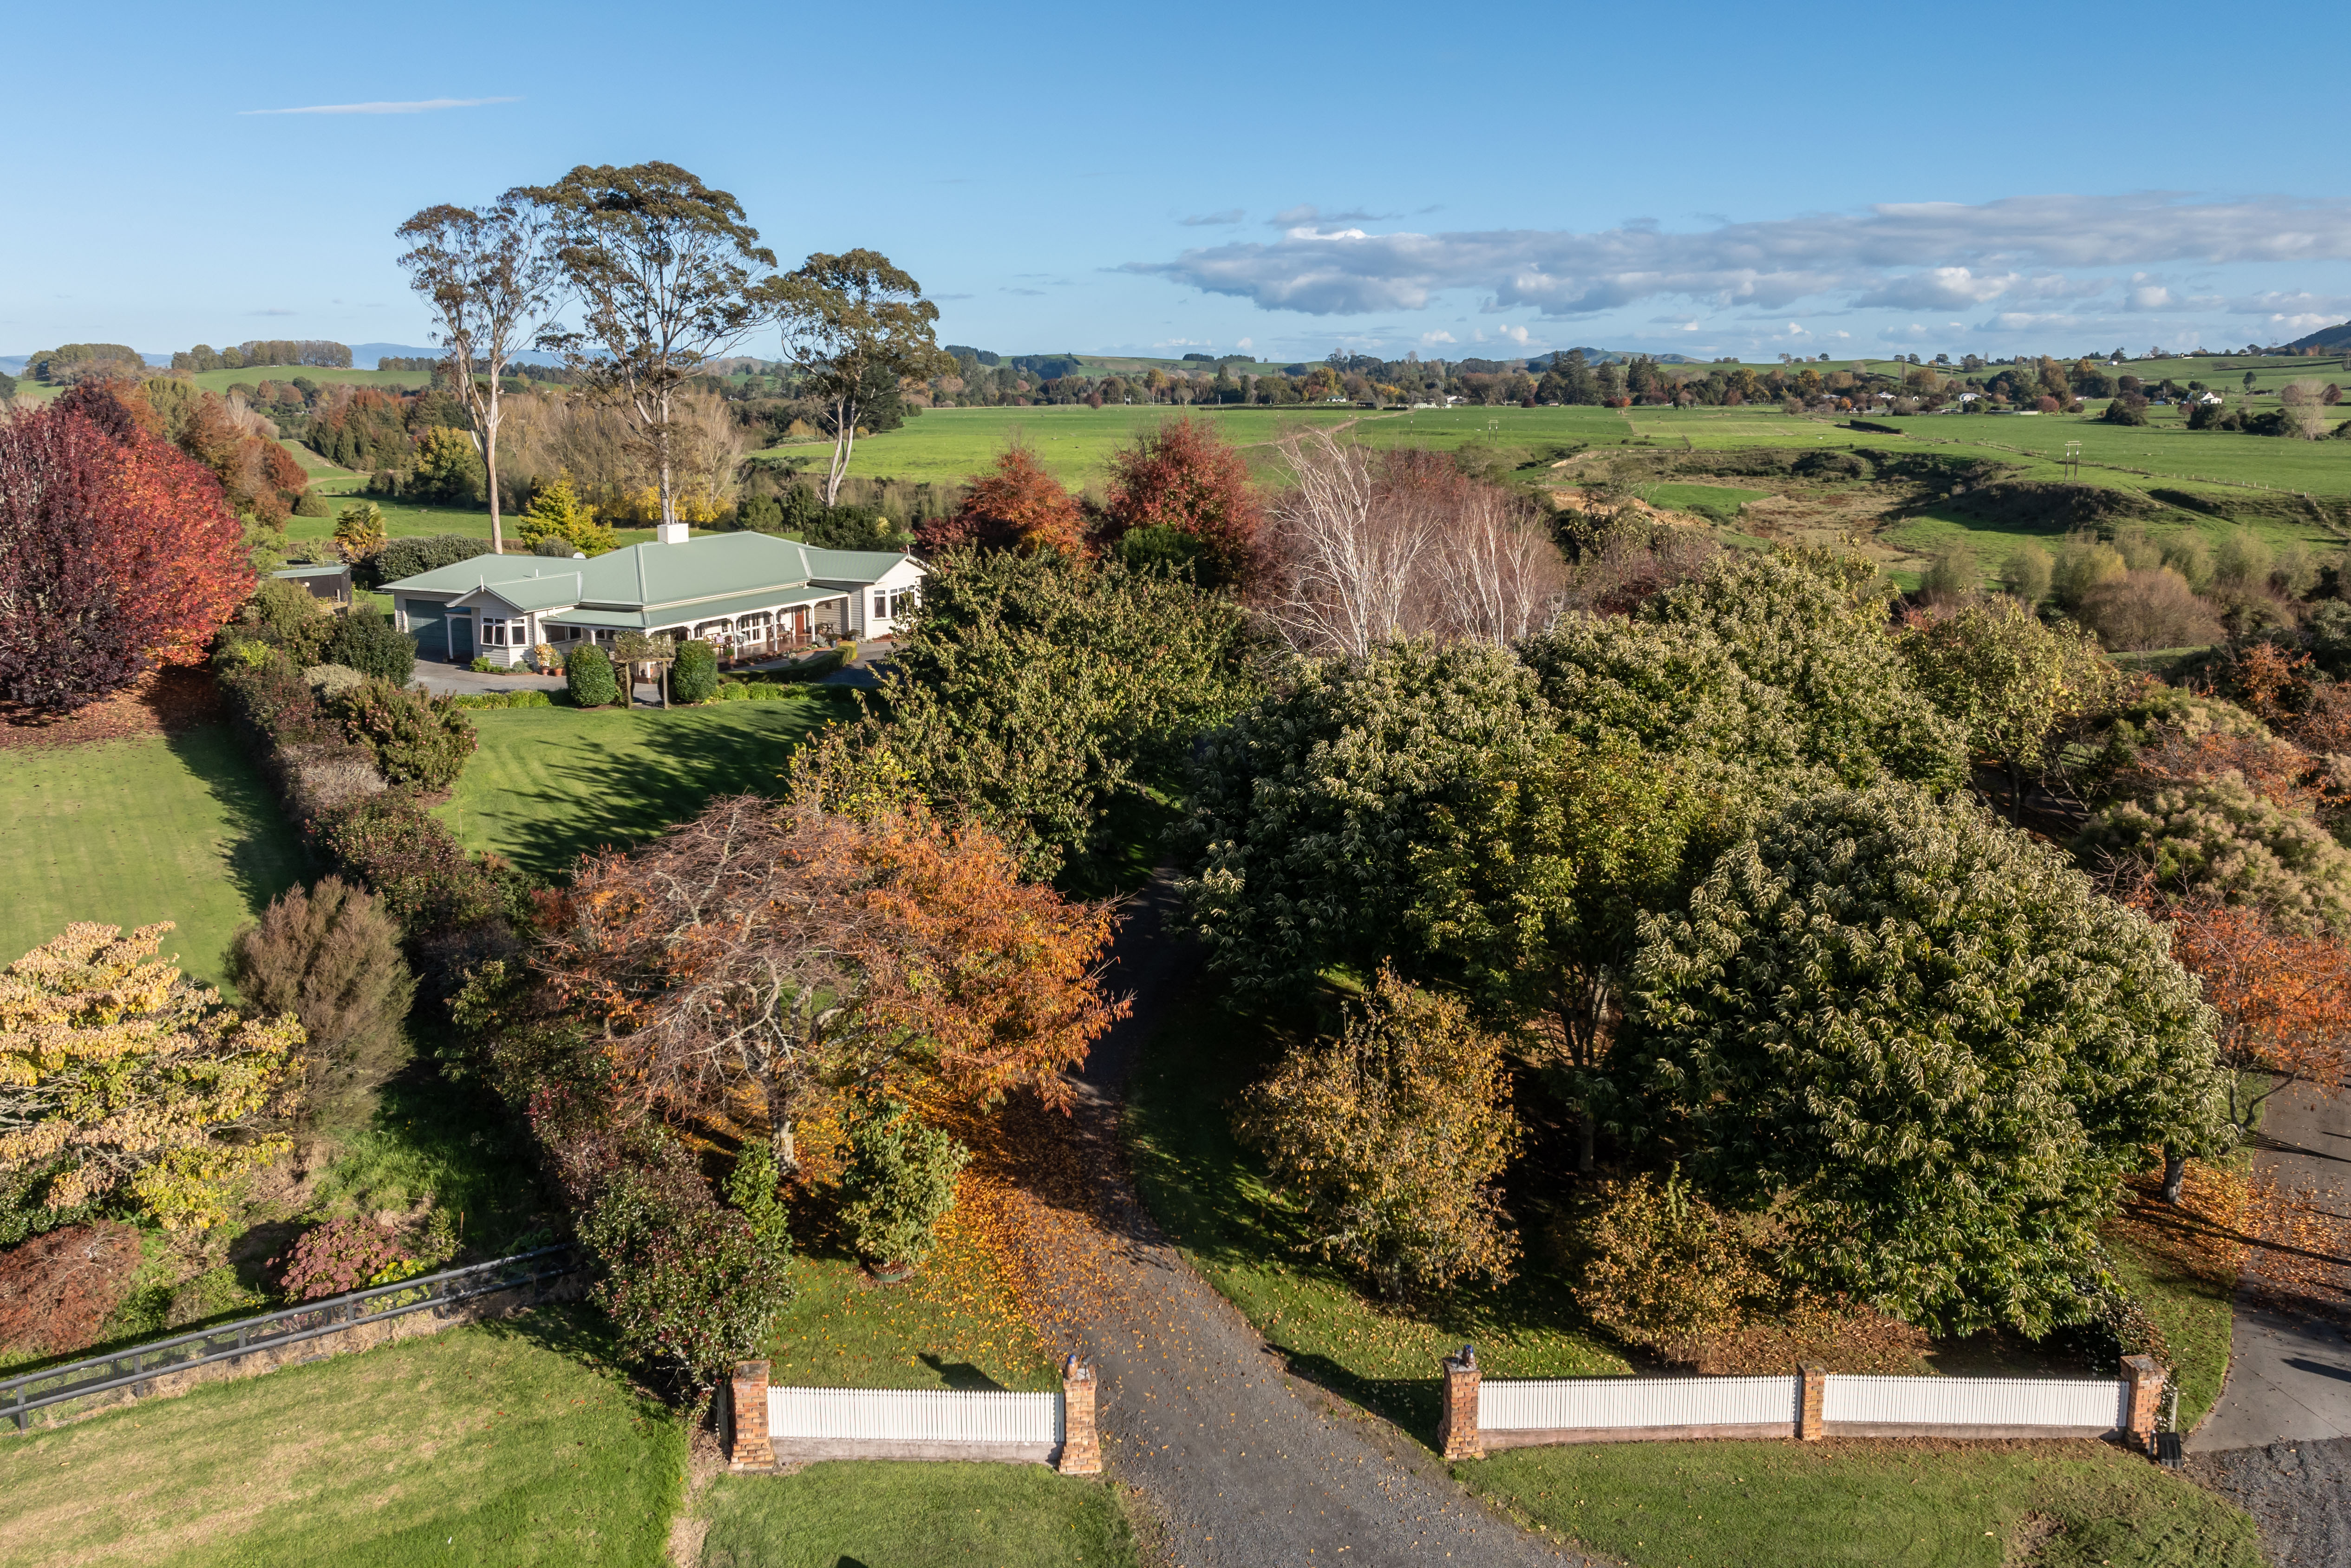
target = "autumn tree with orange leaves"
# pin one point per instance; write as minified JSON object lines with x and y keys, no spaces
{"x":117,"y":553}
{"x":787,"y":949}
{"x":2284,"y":1000}
{"x":1015,"y":504}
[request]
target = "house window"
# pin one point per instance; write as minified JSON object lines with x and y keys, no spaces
{"x":881,"y":604}
{"x":506,"y":634}
{"x":902,"y":603}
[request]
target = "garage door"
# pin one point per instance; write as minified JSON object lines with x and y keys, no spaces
{"x":427,"y":624}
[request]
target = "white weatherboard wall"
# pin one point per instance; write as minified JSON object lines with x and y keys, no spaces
{"x":824,"y":1418}
{"x":1670,"y":1404}
{"x":2089,"y":1404}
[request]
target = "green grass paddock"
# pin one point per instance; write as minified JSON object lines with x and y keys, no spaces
{"x":1917,"y":1503}
{"x":885,"y":1514}
{"x":508,"y":1443}
{"x":179,"y":827}
{"x":551,"y":783}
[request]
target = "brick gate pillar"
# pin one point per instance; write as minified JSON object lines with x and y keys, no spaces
{"x":746,"y":1408}
{"x":1814,"y":1381}
{"x":2143,"y":1381}
{"x":1457,"y":1436}
{"x":1081,"y":1443}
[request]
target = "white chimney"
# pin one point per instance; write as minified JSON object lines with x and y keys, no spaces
{"x":669,"y":533}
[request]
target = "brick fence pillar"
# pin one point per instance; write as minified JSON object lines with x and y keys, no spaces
{"x":1457,"y":1436}
{"x":746,"y":1408}
{"x":1081,"y":1444}
{"x":1813,"y":1391}
{"x":2143,"y":1381}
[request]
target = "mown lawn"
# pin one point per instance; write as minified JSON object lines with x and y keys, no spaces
{"x":551,"y":783}
{"x":508,"y":1443}
{"x":179,"y":827}
{"x":1206,"y":1190}
{"x":879,"y":1514}
{"x":1918,"y":1503}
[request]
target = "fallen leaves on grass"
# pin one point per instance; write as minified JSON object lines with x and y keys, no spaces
{"x":168,"y":702}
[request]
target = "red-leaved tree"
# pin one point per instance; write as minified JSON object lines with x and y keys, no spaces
{"x":117,"y":554}
{"x":1186,"y":478}
{"x":1016,"y":505}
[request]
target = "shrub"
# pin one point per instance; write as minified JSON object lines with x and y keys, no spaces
{"x":331,"y":957}
{"x":358,"y":531}
{"x":287,"y":615}
{"x":318,"y":776}
{"x":1666,"y":1269}
{"x":589,"y":673}
{"x":1390,"y":1139}
{"x":411,"y":556}
{"x":339,"y":1256}
{"x":685,"y":1280}
{"x":483,"y":664}
{"x":2139,"y":610}
{"x":753,"y":1188}
{"x":367,"y":643}
{"x":333,"y":680}
{"x":899,"y":1183}
{"x":695,"y":674}
{"x":417,"y":740}
{"x":415,"y":865}
{"x":527,"y":697}
{"x":2220,"y":835}
{"x":57,"y":1291}
{"x":2026,"y":573}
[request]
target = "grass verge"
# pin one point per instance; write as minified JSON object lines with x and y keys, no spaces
{"x":177,"y":828}
{"x":1923,"y":1503}
{"x":1214,"y":1202}
{"x":505,"y":1443}
{"x":551,"y":783}
{"x":886,"y":1515}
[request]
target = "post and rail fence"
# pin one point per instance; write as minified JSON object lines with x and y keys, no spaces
{"x":138,"y":1371}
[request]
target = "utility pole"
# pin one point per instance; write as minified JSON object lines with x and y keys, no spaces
{"x":2073,"y":462}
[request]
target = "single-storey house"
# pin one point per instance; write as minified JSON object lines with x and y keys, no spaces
{"x":752,"y":594}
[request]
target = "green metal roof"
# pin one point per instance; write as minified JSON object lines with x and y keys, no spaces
{"x":328,"y":569}
{"x":658,"y":578}
{"x":549,"y":593}
{"x":701,"y":609}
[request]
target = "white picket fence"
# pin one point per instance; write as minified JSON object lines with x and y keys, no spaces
{"x":1601,"y":1408}
{"x":2095,"y":1402}
{"x":1559,"y":1404}
{"x":922,"y":1416}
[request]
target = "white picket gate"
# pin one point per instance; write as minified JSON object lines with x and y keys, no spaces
{"x":912,"y":1415}
{"x":1591,"y":1404}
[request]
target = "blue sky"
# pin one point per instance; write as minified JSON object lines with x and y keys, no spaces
{"x":1709,"y":179}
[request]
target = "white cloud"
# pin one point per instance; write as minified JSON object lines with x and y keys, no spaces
{"x":420,"y":106}
{"x":1436,"y":337}
{"x":1204,"y":220}
{"x":1936,"y":254}
{"x":1244,"y":343}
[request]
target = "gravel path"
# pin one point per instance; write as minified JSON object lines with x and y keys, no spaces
{"x":1243,"y":1464}
{"x":2278,"y":1441}
{"x":2299,"y":1494}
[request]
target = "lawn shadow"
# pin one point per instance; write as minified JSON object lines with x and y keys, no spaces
{"x":661,"y":769}
{"x":266,"y":855}
{"x":961,"y":1375}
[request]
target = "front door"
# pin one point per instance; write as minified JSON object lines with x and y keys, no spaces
{"x":800,"y":626}
{"x":461,"y":636}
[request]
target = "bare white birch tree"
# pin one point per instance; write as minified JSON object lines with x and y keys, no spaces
{"x":1498,"y":576}
{"x":1348,"y":559}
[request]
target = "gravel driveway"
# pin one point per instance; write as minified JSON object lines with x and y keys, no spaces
{"x":2299,"y":1494}
{"x":1243,"y":1464}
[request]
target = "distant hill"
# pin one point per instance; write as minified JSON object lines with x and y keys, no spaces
{"x":2336,"y":337}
